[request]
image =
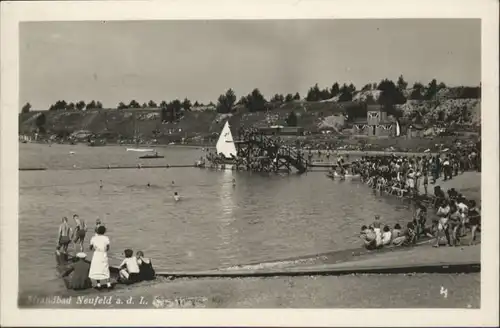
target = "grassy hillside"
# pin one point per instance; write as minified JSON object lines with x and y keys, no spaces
{"x":312,"y":116}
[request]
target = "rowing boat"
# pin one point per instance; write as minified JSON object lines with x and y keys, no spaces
{"x":347,"y":176}
{"x":151,"y":156}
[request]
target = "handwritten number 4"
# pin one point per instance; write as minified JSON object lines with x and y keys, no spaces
{"x":444,"y":292}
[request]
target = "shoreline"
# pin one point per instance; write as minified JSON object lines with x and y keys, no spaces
{"x":315,"y":151}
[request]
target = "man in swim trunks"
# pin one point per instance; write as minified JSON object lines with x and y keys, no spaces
{"x":377,"y":225}
{"x":63,"y":235}
{"x":80,"y":231}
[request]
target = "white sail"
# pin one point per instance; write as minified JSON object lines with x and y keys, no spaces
{"x":225,"y":144}
{"x":398,"y":129}
{"x":136,"y":137}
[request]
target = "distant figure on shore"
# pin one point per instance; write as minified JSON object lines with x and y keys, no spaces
{"x":63,"y":235}
{"x":80,"y":231}
{"x":80,"y":278}
{"x":99,"y":267}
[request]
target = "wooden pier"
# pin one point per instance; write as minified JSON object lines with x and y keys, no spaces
{"x":259,"y":153}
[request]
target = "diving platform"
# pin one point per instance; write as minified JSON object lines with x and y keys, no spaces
{"x":261,"y":153}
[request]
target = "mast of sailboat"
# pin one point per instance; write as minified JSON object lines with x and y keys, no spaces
{"x":136,"y":137}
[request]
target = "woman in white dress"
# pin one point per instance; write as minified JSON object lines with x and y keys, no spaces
{"x":99,"y":267}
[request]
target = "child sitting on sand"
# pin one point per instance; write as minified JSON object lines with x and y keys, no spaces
{"x":129,"y":268}
{"x":146,"y":271}
{"x":368,"y":237}
{"x":386,"y":236}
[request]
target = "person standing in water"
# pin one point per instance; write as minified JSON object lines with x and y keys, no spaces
{"x":99,"y":266}
{"x":63,"y":235}
{"x":80,"y":231}
{"x":377,"y":225}
{"x":98,"y":223}
{"x":177,"y":197}
{"x":100,"y":184}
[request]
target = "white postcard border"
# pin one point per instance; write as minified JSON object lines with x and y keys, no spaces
{"x":15,"y":12}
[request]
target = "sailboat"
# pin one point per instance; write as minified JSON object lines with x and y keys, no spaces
{"x":225,"y":144}
{"x":136,"y":137}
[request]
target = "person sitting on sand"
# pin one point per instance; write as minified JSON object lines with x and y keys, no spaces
{"x":407,"y":237}
{"x":396,"y":231}
{"x":368,"y":237}
{"x":411,"y":234}
{"x":80,"y":278}
{"x":129,"y":268}
{"x":378,"y":236}
{"x":146,"y":271}
{"x":386,"y":236}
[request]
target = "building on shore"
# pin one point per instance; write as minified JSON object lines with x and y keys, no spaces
{"x":376,"y":124}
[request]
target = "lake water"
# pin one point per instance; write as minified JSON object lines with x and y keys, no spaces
{"x":262,"y":218}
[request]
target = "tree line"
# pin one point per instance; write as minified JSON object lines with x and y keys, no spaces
{"x":391,"y":94}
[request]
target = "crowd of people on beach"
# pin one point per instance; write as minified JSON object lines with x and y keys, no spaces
{"x":82,"y":274}
{"x":403,"y":175}
{"x":454,"y":218}
{"x":454,"y":215}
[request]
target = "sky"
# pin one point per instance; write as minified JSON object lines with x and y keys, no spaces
{"x":165,"y":60}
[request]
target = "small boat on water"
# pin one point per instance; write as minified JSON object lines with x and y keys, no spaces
{"x":335,"y":175}
{"x":136,"y":137}
{"x":151,"y":156}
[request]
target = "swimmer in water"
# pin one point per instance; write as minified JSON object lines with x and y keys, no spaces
{"x":100,"y":184}
{"x":173,"y":183}
{"x":177,"y":197}
{"x":234,"y":182}
{"x":149,"y":185}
